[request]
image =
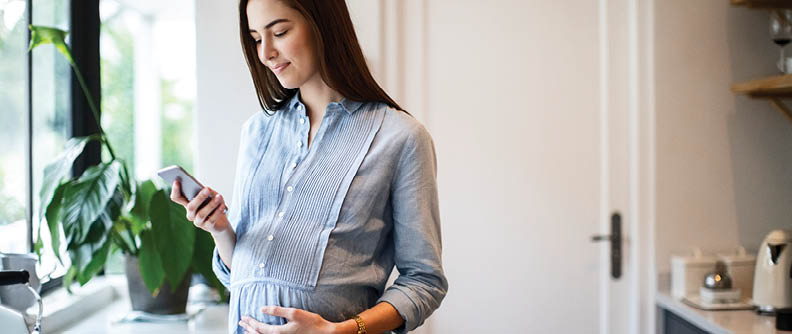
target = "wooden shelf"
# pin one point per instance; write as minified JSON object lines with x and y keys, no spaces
{"x":773,"y":88}
{"x":763,"y":3}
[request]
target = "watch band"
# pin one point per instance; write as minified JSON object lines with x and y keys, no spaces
{"x":361,"y":325}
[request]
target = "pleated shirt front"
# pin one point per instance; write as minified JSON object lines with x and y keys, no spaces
{"x":320,"y":228}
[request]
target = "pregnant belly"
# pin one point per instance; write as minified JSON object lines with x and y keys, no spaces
{"x":333,"y":303}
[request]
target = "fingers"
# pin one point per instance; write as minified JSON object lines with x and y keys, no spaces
{"x":176,"y":194}
{"x":208,"y":213}
{"x":253,"y":326}
{"x":283,"y":312}
{"x":195,"y":203}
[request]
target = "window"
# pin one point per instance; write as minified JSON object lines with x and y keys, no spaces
{"x":13,"y":127}
{"x":148,"y":82}
{"x":148,"y":85}
{"x":51,"y":76}
{"x":32,"y":131}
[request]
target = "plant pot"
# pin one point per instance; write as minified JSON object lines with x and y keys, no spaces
{"x":167,"y":301}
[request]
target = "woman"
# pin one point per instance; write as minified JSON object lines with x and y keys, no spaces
{"x":335,"y":185}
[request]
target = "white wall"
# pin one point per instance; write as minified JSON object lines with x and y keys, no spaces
{"x":724,"y":163}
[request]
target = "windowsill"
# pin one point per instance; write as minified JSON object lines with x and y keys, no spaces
{"x":62,"y":309}
{"x":97,"y":307}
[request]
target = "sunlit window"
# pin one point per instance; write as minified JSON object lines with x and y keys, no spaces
{"x":49,"y":113}
{"x":13,"y":127}
{"x":148,"y":84}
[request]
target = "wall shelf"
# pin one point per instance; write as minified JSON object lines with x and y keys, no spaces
{"x":774,"y":88}
{"x":763,"y":3}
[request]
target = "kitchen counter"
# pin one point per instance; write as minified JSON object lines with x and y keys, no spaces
{"x":718,"y":322}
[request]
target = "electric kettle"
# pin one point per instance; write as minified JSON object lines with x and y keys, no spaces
{"x":773,"y":275}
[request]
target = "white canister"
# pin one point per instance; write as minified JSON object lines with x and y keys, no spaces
{"x":741,"y":265}
{"x":688,"y":272}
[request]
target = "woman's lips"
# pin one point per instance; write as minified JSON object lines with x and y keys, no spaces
{"x":280,"y":68}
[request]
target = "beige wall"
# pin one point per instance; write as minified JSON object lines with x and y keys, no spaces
{"x":724,"y":163}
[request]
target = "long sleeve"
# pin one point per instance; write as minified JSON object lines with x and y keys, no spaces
{"x":222,"y":271}
{"x":421,"y":285}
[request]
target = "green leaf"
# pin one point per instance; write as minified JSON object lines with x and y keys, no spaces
{"x":202,"y":259}
{"x":68,"y":279}
{"x":81,"y":254}
{"x":150,"y":264}
{"x":40,"y":35}
{"x":143,"y":199}
{"x":58,"y":169}
{"x":53,"y":218}
{"x":96,"y":263}
{"x":115,"y":205}
{"x":85,"y":200}
{"x":174,"y":236}
{"x":126,"y":229}
{"x":39,"y":245}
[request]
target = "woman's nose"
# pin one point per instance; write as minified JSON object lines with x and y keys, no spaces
{"x":266,"y":52}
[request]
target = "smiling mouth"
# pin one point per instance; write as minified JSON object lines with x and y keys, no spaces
{"x":280,"y":68}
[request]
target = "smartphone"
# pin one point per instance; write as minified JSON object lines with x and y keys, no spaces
{"x":190,"y":187}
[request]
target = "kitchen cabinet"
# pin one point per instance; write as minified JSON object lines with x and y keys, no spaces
{"x":674,"y":324}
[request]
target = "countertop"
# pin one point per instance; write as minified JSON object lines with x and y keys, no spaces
{"x":98,"y":307}
{"x":719,"y":322}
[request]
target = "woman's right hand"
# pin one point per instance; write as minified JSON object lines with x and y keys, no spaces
{"x":211,"y":217}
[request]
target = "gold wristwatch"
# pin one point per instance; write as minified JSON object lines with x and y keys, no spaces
{"x":361,"y":325}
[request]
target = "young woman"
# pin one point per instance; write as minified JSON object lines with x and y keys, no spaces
{"x":335,"y":184}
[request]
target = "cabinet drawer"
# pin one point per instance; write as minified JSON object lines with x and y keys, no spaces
{"x":673,"y":324}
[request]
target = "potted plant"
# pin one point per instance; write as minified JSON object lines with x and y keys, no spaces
{"x":104,"y":211}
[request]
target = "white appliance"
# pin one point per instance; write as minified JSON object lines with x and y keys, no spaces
{"x":773,"y":276}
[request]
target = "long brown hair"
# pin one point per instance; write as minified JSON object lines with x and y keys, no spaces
{"x":341,"y":62}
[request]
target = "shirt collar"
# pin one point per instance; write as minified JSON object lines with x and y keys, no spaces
{"x":350,"y":106}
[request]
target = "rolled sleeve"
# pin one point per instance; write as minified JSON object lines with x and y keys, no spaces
{"x":222,"y":271}
{"x":421,"y":285}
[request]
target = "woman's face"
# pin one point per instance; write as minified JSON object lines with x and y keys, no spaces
{"x":283,"y":41}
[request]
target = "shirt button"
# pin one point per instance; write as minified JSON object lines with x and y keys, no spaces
{"x":289,"y":188}
{"x":302,"y":120}
{"x":280,"y":214}
{"x":270,"y":237}
{"x":299,"y":144}
{"x":294,"y":165}
{"x":261,"y":265}
{"x":299,"y":107}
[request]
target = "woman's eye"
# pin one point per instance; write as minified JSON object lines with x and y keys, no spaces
{"x":258,"y":41}
{"x":280,"y":34}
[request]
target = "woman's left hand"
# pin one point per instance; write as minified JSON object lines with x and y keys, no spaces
{"x":297,"y":321}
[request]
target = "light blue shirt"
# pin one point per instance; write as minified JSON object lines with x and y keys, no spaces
{"x":320,"y":228}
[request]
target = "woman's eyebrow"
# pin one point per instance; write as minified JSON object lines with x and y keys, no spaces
{"x":269,"y":25}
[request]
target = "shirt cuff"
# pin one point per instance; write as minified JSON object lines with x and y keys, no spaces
{"x":405,"y":306}
{"x":222,"y":271}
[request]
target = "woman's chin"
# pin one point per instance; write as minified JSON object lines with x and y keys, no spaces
{"x":288,"y":84}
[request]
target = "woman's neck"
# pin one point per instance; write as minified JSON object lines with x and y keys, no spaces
{"x":316,"y":95}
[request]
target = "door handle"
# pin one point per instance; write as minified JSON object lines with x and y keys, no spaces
{"x":615,"y":239}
